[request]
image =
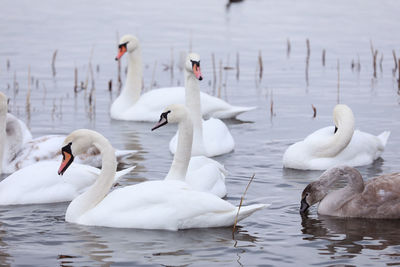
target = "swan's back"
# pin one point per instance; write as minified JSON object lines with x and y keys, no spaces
{"x":380,"y":199}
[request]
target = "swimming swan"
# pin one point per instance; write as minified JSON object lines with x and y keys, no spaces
{"x":332,"y":146}
{"x":134,"y":106}
{"x":377,"y":198}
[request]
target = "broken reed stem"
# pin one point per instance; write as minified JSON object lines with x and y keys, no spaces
{"x":288,"y":48}
{"x":92,"y":94}
{"x":240,"y":205}
{"x":307,"y":59}
{"x":44,"y":94}
{"x":323,"y":57}
{"x":314,"y":111}
{"x":260,"y":64}
{"x":380,"y":63}
{"x":53,"y":63}
{"x":374,"y":55}
{"x":9,"y":65}
{"x":214,"y":72}
{"x":237,"y":66}
{"x":338,"y":82}
{"x":398,"y":80}
{"x":395,"y":63}
{"x":172,"y":64}
{"x":75,"y":80}
{"x":110,"y":85}
{"x":271,"y":103}
{"x":118,"y":68}
{"x":28,"y":94}
{"x":220,"y":79}
{"x":153,"y":75}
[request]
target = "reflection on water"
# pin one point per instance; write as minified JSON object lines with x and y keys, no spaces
{"x":349,"y":236}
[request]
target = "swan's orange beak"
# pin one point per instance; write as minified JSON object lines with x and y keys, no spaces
{"x":197,"y":72}
{"x":68,"y":158}
{"x":121,"y":52}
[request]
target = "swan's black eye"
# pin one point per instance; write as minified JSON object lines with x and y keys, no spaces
{"x":123,"y":45}
{"x":165,"y":114}
{"x":195,"y":63}
{"x":335,"y":129}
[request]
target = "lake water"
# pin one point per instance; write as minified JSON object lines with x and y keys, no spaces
{"x":277,"y":236}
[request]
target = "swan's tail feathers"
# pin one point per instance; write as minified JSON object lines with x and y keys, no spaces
{"x":123,"y":172}
{"x":384,"y":137}
{"x":123,"y":155}
{"x":231,"y":112}
{"x":246,"y":211}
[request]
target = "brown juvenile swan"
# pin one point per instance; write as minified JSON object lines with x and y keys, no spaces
{"x":377,"y":198}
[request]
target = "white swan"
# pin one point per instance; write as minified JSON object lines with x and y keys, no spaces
{"x":211,"y":137}
{"x":131,"y":105}
{"x":377,"y":198}
{"x":169,"y":204}
{"x":39,"y":183}
{"x":331,"y":146}
{"x":18,"y":150}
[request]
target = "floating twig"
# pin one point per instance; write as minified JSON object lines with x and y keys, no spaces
{"x":240,"y":205}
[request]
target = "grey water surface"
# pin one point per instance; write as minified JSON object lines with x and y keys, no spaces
{"x":86,"y":31}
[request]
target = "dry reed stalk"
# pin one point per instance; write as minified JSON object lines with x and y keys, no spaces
{"x":220,"y":79}
{"x":110,"y":85}
{"x":172,"y":64}
{"x":28,"y":95}
{"x":260,"y":65}
{"x":398,"y":80}
{"x":288,"y":48}
{"x":9,"y":65}
{"x":214,"y":72}
{"x":240,"y":205}
{"x":76,"y":80}
{"x":271,"y":103}
{"x":153,"y":75}
{"x":374,"y":56}
{"x":380,"y":62}
{"x":314,"y":110}
{"x":395,"y":63}
{"x":97,"y":68}
{"x":307,"y":59}
{"x":92,"y":94}
{"x":119,"y":81}
{"x":323,"y":57}
{"x":338,"y":82}
{"x":44,"y":94}
{"x":237,"y":66}
{"x":53,"y":63}
{"x":358,"y":64}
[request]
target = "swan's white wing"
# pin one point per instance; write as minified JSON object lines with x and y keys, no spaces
{"x":164,"y":204}
{"x":40,"y":183}
{"x":207,"y":175}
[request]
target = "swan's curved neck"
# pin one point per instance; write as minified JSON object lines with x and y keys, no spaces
{"x":3,"y":135}
{"x":192,"y":97}
{"x":133,"y":84}
{"x":183,"y":151}
{"x":339,"y":140}
{"x":334,"y":200}
{"x":101,"y":187}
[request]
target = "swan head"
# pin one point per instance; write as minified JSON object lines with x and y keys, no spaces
{"x":127,"y":43}
{"x":76,"y":143}
{"x":192,"y":65}
{"x":317,"y":190}
{"x":174,"y":113}
{"x":342,"y":114}
{"x":3,"y":103}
